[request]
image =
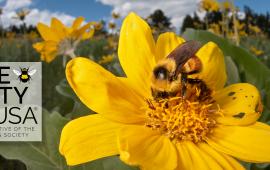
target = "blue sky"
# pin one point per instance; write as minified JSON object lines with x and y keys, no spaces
{"x":90,"y":9}
{"x":94,"y":10}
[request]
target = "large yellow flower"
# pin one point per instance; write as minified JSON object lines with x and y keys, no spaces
{"x":60,"y":39}
{"x":167,"y":134}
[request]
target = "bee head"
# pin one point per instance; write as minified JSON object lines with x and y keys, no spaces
{"x":163,"y":76}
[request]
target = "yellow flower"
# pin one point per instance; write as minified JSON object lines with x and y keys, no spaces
{"x":11,"y":35}
{"x":112,"y":42}
{"x":256,"y":51}
{"x":61,"y":40}
{"x":227,"y":5}
{"x":32,"y":35}
{"x":115,"y":15}
{"x":112,"y":25}
{"x":209,"y":5}
{"x":106,"y":59}
{"x":22,"y":14}
{"x":164,"y":134}
{"x":255,"y":29}
{"x":98,"y":25}
{"x":215,"y":28}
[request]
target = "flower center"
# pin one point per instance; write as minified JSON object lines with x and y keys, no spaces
{"x":181,"y":119}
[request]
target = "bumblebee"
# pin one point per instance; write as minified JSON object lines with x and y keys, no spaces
{"x":170,"y":75}
{"x":24,"y":75}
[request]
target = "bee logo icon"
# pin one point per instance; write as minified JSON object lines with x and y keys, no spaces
{"x":24,"y":75}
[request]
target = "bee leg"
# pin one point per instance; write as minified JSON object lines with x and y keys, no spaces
{"x":183,"y":85}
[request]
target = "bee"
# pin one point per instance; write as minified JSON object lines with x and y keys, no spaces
{"x":24,"y":75}
{"x":170,"y":75}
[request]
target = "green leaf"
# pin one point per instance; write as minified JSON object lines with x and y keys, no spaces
{"x":79,"y":109}
{"x":39,"y":155}
{"x":232,"y":71}
{"x":64,"y":89}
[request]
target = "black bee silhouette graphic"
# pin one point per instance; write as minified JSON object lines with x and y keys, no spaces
{"x":24,"y":75}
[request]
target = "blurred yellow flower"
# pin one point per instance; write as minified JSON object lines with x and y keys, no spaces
{"x":209,"y":5}
{"x":215,"y":28}
{"x":167,"y":134}
{"x":227,"y":5}
{"x":60,"y":39}
{"x":256,"y":51}
{"x":112,"y":42}
{"x":20,"y":15}
{"x":106,"y":59}
{"x":115,"y":15}
{"x":112,"y":25}
{"x":98,"y":25}
{"x":32,"y":35}
{"x":255,"y":29}
{"x":10,"y":35}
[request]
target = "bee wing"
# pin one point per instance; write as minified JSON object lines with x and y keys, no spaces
{"x":184,"y":53}
{"x":16,"y":72}
{"x":32,"y":72}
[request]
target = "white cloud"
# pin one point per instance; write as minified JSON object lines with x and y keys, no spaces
{"x":35,"y":15}
{"x":12,"y":5}
{"x":175,"y":9}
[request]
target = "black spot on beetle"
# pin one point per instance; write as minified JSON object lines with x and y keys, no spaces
{"x":231,"y":93}
{"x":252,"y":96}
{"x":234,"y":98}
{"x":239,"y":115}
{"x":240,"y":89}
{"x":246,"y":96}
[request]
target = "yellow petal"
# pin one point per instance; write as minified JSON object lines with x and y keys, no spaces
{"x":49,"y":51}
{"x":248,"y":143}
{"x":240,"y":104}
{"x":78,"y":33}
{"x":213,"y":67}
{"x":59,"y":28}
{"x":132,"y":86}
{"x":47,"y":33}
{"x":139,"y":145}
{"x":234,"y":163}
{"x":88,"y":138}
{"x":102,"y":92}
{"x":88,"y":34}
{"x":38,"y":46}
{"x":199,"y":159}
{"x":184,"y":158}
{"x":166,"y":43}
{"x":225,"y":161}
{"x":136,"y":51}
{"x":77,"y":22}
